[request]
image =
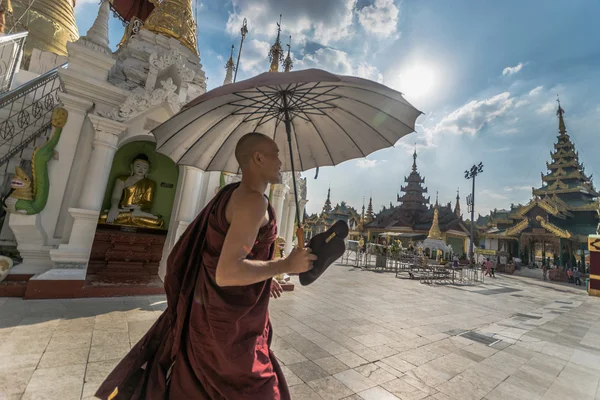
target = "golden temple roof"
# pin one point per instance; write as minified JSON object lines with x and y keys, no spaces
{"x":276,"y":52}
{"x":174,"y":19}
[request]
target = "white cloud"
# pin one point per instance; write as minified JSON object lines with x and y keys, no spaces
{"x":364,"y":163}
{"x":546,"y":108}
{"x":536,"y":90}
{"x":475,"y":115}
{"x":380,"y":19}
{"x":521,"y":103}
{"x":516,"y":188}
{"x":338,"y":62}
{"x":512,"y":70}
{"x":491,"y":194}
{"x":324,"y":21}
{"x":256,"y":57}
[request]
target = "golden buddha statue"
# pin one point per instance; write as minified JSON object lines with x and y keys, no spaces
{"x":132,"y":198}
{"x":278,"y":252}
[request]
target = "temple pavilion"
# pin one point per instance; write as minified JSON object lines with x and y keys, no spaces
{"x":317,"y":223}
{"x":414,"y":218}
{"x":559,"y":217}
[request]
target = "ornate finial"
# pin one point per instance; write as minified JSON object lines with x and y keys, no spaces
{"x":174,"y":19}
{"x":457,"y":207}
{"x":288,"y":64}
{"x":414,"y":166}
{"x":98,"y":33}
{"x":436,"y":198}
{"x":276,"y":52}
{"x":561,"y":122}
{"x":230,"y":68}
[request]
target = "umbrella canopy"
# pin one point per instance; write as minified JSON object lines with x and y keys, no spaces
{"x":330,"y":118}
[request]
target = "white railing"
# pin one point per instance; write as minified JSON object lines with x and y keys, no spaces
{"x":11,"y":51}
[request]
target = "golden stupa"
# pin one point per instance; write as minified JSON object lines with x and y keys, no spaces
{"x":50,"y":23}
{"x":174,"y":19}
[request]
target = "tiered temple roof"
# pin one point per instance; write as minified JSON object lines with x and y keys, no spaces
{"x":564,"y":206}
{"x":415,"y":214}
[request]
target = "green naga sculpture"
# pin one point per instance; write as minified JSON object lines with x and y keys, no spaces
{"x":30,"y":197}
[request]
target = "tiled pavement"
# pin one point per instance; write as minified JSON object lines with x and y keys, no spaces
{"x":351,"y":335}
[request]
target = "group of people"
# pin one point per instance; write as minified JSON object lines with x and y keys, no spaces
{"x":574,"y":276}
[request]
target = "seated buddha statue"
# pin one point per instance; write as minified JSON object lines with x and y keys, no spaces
{"x":132,"y":198}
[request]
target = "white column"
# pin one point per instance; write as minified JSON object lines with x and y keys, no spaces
{"x":67,"y":153}
{"x":186,"y":207}
{"x":104,"y":147}
{"x":282,"y":229}
{"x":290,"y":226}
{"x":279,"y":192}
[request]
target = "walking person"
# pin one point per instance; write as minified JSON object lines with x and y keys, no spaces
{"x":577,"y":276}
{"x":545,"y":272}
{"x":213,"y":340}
{"x":488,"y":268}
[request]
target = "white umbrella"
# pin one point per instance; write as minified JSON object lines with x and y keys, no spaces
{"x":316,"y":118}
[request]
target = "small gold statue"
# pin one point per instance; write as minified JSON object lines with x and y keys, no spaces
{"x":132,"y":198}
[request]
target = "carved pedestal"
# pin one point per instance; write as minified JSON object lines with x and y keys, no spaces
{"x":126,"y":255}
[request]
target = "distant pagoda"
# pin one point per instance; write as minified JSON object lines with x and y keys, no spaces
{"x":413,"y":199}
{"x":559,"y":217}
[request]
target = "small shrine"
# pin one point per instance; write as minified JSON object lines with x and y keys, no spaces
{"x":416,"y":220}
{"x":553,"y":228}
{"x":318,"y":223}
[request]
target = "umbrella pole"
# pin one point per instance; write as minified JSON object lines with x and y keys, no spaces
{"x":288,"y":130}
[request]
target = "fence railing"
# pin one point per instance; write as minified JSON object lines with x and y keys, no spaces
{"x":26,"y":112}
{"x":11,"y":50}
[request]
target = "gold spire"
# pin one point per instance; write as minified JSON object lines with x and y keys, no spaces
{"x":288,"y":64}
{"x":457,"y":207}
{"x":434,"y":232}
{"x":230,"y":68}
{"x":561,"y":122}
{"x":174,"y":19}
{"x":276,"y":52}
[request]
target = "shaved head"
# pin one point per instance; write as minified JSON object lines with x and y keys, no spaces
{"x":258,"y":157}
{"x":249,"y":144}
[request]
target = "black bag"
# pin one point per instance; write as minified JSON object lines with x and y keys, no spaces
{"x":328,"y":247}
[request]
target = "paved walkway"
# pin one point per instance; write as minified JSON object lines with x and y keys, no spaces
{"x":351,"y":335}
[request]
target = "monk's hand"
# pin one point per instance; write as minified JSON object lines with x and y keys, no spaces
{"x":276,"y":289}
{"x":300,"y":260}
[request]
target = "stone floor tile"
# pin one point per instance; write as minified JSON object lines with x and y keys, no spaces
{"x":351,"y":359}
{"x":98,"y":371}
{"x":291,"y":378}
{"x":308,"y":371}
{"x":62,"y":392}
{"x":331,"y":364}
{"x":375,"y":373}
{"x":377,"y":393}
{"x":330,"y":388}
{"x":56,"y":378}
{"x":290,"y":356}
{"x":61,"y":358}
{"x":106,"y":353}
{"x":304,"y":392}
{"x":19,"y":361}
{"x":373,"y":339}
{"x":376,"y":353}
{"x":469,"y":385}
{"x":354,"y":380}
{"x":398,"y":362}
{"x":13,"y":382}
{"x":353,"y":397}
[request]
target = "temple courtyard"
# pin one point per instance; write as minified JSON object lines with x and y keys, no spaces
{"x":351,"y":335}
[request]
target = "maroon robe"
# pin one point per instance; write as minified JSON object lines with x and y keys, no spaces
{"x":211,"y":342}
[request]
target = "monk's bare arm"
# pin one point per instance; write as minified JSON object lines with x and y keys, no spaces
{"x":233,"y":269}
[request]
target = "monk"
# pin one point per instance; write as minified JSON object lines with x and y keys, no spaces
{"x":213,"y":340}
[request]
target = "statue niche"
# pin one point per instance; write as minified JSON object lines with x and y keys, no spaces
{"x":132,"y":198}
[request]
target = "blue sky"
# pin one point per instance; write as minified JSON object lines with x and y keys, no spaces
{"x":485,"y":73}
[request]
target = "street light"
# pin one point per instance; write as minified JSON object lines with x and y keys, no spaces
{"x":471,"y":174}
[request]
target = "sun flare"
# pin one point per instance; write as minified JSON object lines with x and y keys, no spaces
{"x":417,"y":81}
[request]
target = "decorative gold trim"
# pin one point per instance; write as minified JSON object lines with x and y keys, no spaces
{"x":553,"y":228}
{"x":593,"y":242}
{"x":595,"y":277}
{"x":517,"y":228}
{"x":594,"y":292}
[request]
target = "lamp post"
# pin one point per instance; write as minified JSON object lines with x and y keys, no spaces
{"x":471,"y":174}
{"x":244,"y":32}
